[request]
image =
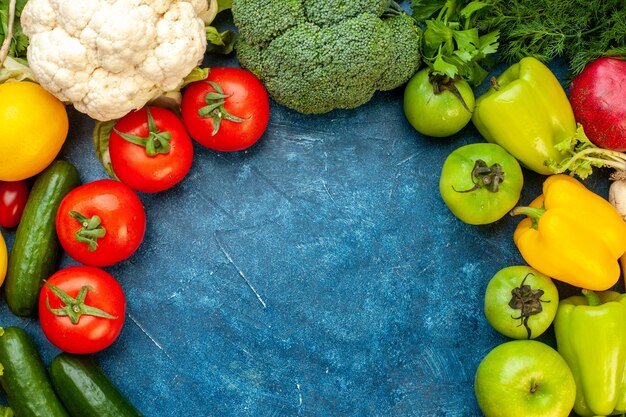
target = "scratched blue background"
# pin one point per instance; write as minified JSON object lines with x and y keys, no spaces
{"x":318,"y":273}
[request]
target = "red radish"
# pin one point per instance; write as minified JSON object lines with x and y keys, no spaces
{"x":598,"y":97}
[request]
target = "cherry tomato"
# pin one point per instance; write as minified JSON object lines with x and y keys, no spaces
{"x":13,"y":196}
{"x":228,"y":111}
{"x":81,"y":309}
{"x":101,"y":223}
{"x":150,"y":149}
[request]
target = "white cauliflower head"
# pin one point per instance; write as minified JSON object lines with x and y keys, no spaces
{"x":109,"y":57}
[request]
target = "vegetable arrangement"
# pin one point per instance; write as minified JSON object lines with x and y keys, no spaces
{"x":136,"y":72}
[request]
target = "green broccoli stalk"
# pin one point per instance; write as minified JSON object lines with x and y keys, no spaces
{"x":318,"y":55}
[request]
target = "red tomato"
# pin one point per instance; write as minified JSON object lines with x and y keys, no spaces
{"x":241,"y":110}
{"x":157,"y":154}
{"x":13,"y":196}
{"x":101,"y":306}
{"x":101,"y":223}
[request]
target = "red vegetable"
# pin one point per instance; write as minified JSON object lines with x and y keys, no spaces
{"x":101,"y":223}
{"x":597,"y":97}
{"x":81,"y":309}
{"x":150,"y":149}
{"x":13,"y":196}
{"x":228,"y":111}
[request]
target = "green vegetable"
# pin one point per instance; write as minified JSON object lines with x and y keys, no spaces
{"x":437,"y":106}
{"x":85,"y":389}
{"x":35,"y":248}
{"x":452,"y":45}
{"x":24,"y":378}
{"x":521,"y":302}
{"x":591,"y":336}
{"x":19,"y":42}
{"x":317,"y":56}
{"x":579,"y":31}
{"x":480,"y":182}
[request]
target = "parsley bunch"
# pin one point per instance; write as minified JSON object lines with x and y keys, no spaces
{"x":452,"y":44}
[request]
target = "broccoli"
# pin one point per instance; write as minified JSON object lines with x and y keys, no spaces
{"x":318,"y":55}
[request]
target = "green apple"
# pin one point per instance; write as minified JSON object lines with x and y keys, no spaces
{"x":524,"y":378}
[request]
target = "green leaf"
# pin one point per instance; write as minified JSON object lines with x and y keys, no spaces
{"x":488,"y":43}
{"x":224,"y":5}
{"x":220,"y":42}
{"x":101,"y":136}
{"x":440,"y":66}
{"x":472,"y":8}
{"x":423,"y":10}
{"x":466,"y":39}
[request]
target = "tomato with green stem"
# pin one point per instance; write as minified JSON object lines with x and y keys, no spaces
{"x":81,"y":309}
{"x":101,"y":223}
{"x":480,"y":183}
{"x":150,"y":149}
{"x":228,"y":111}
{"x":437,"y":105}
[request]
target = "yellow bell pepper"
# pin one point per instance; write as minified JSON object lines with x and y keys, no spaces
{"x":572,"y":234}
{"x":3,"y":259}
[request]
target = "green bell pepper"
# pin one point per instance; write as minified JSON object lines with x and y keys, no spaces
{"x":527,"y":112}
{"x":590,"y":334}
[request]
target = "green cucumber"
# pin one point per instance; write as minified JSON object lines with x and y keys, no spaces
{"x":85,"y":389}
{"x":35,"y":248}
{"x":24,"y":377}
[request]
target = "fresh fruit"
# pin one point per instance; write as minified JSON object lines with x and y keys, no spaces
{"x":597,"y":97}
{"x":150,"y":149}
{"x":437,"y":106}
{"x":524,"y":378}
{"x":521,"y":302}
{"x":480,"y":182}
{"x":81,"y":309}
{"x":101,"y":223}
{"x":13,"y":197}
{"x":228,"y":111}
{"x":33,"y":128}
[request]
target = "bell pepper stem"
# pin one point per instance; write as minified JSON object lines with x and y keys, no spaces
{"x":592,"y":298}
{"x":534,"y":213}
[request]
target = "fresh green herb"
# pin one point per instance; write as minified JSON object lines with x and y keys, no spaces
{"x":578,"y":30}
{"x":452,"y":44}
{"x":16,"y":47}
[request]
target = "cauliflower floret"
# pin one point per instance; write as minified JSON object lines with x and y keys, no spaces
{"x":109,"y":57}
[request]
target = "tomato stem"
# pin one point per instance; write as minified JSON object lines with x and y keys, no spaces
{"x":90,"y":231}
{"x":215,"y":109}
{"x":157,"y":142}
{"x":75,"y":307}
{"x":483,"y":176}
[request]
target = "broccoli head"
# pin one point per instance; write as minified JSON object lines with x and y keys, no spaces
{"x":318,"y":55}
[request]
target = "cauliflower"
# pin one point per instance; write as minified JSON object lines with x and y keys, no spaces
{"x":109,"y":57}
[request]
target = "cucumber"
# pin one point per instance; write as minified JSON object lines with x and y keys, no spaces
{"x":85,"y":389}
{"x":25,"y":379}
{"x":34,"y":253}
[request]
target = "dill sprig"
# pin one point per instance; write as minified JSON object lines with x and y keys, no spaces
{"x":577,"y":30}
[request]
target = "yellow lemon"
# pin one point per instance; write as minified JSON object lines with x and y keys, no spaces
{"x":33,"y":128}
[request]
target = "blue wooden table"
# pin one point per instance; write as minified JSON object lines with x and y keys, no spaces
{"x":318,"y":274}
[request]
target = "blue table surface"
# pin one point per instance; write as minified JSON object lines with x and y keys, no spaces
{"x":318,"y":273}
